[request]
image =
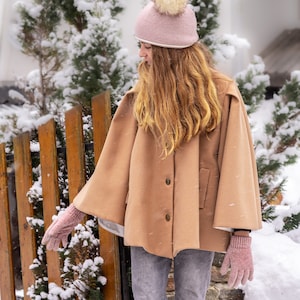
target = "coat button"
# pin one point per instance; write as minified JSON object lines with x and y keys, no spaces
{"x":168,"y":181}
{"x":168,"y":217}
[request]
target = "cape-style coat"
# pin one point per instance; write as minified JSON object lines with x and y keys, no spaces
{"x":190,"y":200}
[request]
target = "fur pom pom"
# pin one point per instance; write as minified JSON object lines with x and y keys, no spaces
{"x":170,"y":7}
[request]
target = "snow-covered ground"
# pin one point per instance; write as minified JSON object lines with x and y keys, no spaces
{"x":277,"y":265}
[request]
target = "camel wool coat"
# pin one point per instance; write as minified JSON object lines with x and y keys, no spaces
{"x":190,"y":200}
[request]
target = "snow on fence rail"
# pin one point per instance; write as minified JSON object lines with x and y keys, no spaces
{"x":101,"y":116}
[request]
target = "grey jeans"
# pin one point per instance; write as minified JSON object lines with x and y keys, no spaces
{"x":192,"y":269}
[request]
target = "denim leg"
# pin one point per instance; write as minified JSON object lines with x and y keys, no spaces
{"x":192,"y":271}
{"x":149,"y":274}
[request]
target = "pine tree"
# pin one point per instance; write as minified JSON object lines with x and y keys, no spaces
{"x":82,"y":264}
{"x":283,"y":132}
{"x":39,"y":21}
{"x":223,"y":47}
{"x":279,"y":146}
{"x":252,"y":84}
{"x":207,"y":12}
{"x":97,"y":61}
{"x":75,"y":62}
{"x":286,"y":124}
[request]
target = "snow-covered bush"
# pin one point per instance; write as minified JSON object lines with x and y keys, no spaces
{"x":96,"y":60}
{"x":276,"y":131}
{"x":224,"y":46}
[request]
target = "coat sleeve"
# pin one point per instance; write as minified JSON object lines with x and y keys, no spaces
{"x":104,"y":195}
{"x":238,"y":201}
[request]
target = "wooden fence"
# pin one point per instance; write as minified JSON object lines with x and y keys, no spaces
{"x":75,"y":153}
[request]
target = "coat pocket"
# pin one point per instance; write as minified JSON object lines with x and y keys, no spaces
{"x":203,"y":184}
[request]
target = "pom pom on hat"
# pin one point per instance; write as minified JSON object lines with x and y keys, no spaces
{"x":170,"y":7}
{"x":167,"y":23}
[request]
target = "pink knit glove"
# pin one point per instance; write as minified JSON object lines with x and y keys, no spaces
{"x":239,"y":259}
{"x":61,"y":227}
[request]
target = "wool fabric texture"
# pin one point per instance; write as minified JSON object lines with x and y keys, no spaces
{"x":238,"y":258}
{"x":166,"y":30}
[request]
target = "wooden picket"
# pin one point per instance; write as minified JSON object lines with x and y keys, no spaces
{"x":6,"y":263}
{"x":109,"y":243}
{"x":75,"y":156}
{"x":23,"y":171}
{"x":48,"y":161}
{"x":75,"y":151}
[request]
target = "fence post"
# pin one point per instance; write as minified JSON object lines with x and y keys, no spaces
{"x":48,"y":161}
{"x":7,"y":284}
{"x":23,"y":178}
{"x":109,"y":249}
{"x":75,"y":151}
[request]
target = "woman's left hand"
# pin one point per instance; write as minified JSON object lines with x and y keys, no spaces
{"x":239,"y":259}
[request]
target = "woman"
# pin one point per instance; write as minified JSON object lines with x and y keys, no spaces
{"x":178,"y":169}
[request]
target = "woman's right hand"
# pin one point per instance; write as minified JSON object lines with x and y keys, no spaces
{"x":61,"y":227}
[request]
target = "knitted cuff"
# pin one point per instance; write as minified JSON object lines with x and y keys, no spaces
{"x":241,"y":229}
{"x":75,"y":213}
{"x":240,"y":241}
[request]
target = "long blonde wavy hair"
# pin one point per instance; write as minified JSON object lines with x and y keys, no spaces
{"x":176,"y":97}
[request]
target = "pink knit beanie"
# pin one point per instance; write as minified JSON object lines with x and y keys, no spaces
{"x":167,"y":23}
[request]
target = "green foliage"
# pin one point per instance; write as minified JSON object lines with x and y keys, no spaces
{"x":222,"y":47}
{"x":72,"y":15}
{"x":280,"y":149}
{"x":287,"y":116}
{"x":98,"y":60}
{"x":207,"y":12}
{"x":284,"y":130}
{"x":268,"y":214}
{"x":116,"y":6}
{"x":252,"y":84}
{"x":96,"y":68}
{"x":39,"y":40}
{"x":76,"y":63}
{"x":39,"y":264}
{"x":292,"y":222}
{"x":279,"y":145}
{"x":82,"y":263}
{"x":9,"y":126}
{"x":36,"y":28}
{"x":291,"y":91}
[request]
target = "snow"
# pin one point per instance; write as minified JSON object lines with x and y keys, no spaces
{"x":84,"y":5}
{"x":277,"y":265}
{"x":17,"y":119}
{"x":292,"y":186}
{"x":227,"y":45}
{"x":296,"y":75}
{"x":276,"y":255}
